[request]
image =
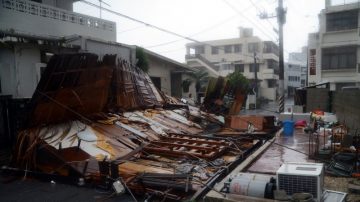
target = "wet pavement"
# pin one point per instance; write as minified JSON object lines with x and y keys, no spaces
{"x":272,"y":158}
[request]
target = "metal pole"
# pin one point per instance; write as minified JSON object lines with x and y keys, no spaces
{"x":256,"y":78}
{"x":281,"y":22}
{"x":100,"y":7}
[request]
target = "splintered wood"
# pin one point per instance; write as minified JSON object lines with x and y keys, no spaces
{"x":186,"y":146}
{"x":104,"y":119}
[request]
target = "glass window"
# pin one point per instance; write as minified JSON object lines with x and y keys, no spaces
{"x":253,"y":47}
{"x":271,"y":83}
{"x":339,"y":58}
{"x":199,"y":50}
{"x":227,"y":48}
{"x":342,"y":20}
{"x":237,"y":48}
{"x":239,"y":67}
{"x":252,"y":67}
{"x":214,"y":50}
{"x":270,"y":47}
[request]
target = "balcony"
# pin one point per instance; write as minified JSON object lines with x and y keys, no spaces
{"x":27,"y":17}
{"x":268,"y":74}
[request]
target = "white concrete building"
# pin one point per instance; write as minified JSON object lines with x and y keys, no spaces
{"x":32,"y":31}
{"x":221,"y":57}
{"x":168,"y":75}
{"x":333,"y":52}
{"x":295,"y":71}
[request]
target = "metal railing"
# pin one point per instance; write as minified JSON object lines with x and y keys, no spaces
{"x":51,"y":12}
{"x":203,"y":59}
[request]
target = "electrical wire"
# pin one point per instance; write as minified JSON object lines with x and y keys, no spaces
{"x":131,"y":29}
{"x":249,"y":20}
{"x":156,"y":27}
{"x":202,"y":31}
{"x":258,"y":9}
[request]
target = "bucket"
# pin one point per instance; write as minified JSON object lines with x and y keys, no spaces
{"x":288,"y":128}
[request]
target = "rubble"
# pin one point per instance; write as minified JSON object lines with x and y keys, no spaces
{"x":102,"y":121}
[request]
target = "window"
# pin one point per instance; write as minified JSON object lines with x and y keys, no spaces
{"x":199,"y":50}
{"x":252,"y":67}
{"x":214,"y":50}
{"x":271,"y":47}
{"x":271,"y":83}
{"x":342,"y":20}
{"x":156,"y":81}
{"x":227,"y":67}
{"x":227,"y":48}
{"x":253,"y":47}
{"x":273,"y":64}
{"x":239,"y":67}
{"x":237,"y":48}
{"x":302,"y":82}
{"x":339,"y":58}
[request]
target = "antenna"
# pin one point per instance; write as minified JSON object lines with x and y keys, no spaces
{"x":100,"y":5}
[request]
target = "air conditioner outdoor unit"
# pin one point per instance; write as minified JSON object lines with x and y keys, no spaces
{"x":300,"y":178}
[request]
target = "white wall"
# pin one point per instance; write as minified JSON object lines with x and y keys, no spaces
{"x":325,"y":39}
{"x":102,"y":48}
{"x":243,"y":57}
{"x":192,"y":89}
{"x":40,"y":21}
{"x":7,"y":71}
{"x":162,"y":70}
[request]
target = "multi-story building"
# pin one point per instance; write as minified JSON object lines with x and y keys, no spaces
{"x":295,"y":71}
{"x":333,"y":52}
{"x":221,"y":57}
{"x":32,"y":31}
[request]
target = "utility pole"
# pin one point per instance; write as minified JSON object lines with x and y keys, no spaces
{"x":256,"y":78}
{"x":281,"y":18}
{"x":281,"y":21}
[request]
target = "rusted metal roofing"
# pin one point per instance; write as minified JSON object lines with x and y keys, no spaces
{"x":102,"y":120}
{"x":71,"y":83}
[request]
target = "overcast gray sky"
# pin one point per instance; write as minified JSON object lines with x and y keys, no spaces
{"x":205,"y":20}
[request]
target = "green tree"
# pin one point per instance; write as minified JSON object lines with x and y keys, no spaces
{"x":142,"y":59}
{"x":237,"y":81}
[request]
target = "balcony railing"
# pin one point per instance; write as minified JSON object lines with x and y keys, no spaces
{"x":46,"y":11}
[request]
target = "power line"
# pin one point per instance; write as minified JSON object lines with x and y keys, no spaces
{"x":131,"y":29}
{"x":202,"y":31}
{"x":258,"y":9}
{"x":154,"y":26}
{"x":248,"y":19}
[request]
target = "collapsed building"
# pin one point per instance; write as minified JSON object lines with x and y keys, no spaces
{"x":102,"y":122}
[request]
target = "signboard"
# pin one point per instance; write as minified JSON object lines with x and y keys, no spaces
{"x":312,"y":61}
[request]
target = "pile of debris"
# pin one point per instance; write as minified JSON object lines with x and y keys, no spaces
{"x":103,"y":123}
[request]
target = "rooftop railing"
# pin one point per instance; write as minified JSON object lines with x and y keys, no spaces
{"x":42,"y":10}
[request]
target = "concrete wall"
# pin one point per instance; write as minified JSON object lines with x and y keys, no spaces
{"x":18,"y":70}
{"x":327,"y":39}
{"x":243,"y":57}
{"x":102,"y":48}
{"x":42,"y":20}
{"x":7,"y":71}
{"x":346,"y":106}
{"x":158,"y":68}
{"x":192,"y":89}
{"x":20,"y":64}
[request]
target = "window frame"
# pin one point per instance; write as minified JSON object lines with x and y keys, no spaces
{"x":338,"y":58}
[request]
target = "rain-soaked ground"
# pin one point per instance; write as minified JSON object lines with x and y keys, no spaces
{"x":278,"y":153}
